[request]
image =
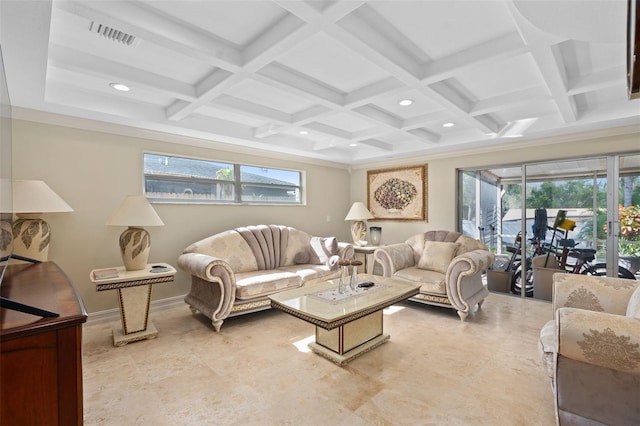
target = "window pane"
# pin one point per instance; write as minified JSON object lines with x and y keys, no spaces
{"x":265,"y":185}
{"x":187,"y":180}
{"x":179,"y":179}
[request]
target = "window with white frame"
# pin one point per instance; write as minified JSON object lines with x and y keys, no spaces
{"x":190,"y":180}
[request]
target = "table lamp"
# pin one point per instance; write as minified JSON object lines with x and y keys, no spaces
{"x":358,"y":214}
{"x":32,"y":235}
{"x":135,"y":242}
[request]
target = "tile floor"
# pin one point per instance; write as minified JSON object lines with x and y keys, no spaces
{"x":435,"y":370}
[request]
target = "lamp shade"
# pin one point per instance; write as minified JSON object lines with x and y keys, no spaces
{"x":35,"y":196}
{"x":358,"y":211}
{"x":135,"y":211}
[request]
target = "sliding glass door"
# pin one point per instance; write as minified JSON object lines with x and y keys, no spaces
{"x":517,"y":211}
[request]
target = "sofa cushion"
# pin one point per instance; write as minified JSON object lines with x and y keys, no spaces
{"x":320,"y":250}
{"x":430,"y":281}
{"x":309,"y":272}
{"x":437,"y":255}
{"x":250,"y":285}
{"x":633,"y":308}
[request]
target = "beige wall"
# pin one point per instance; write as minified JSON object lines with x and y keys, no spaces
{"x":94,"y":171}
{"x":442,"y":175}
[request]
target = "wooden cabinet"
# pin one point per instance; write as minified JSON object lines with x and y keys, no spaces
{"x":41,"y":358}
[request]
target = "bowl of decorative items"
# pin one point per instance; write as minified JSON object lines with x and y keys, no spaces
{"x":362,"y":243}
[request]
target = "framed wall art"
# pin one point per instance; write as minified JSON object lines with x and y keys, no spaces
{"x":398,"y":194}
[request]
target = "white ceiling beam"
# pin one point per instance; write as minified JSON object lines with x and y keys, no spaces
{"x":371,"y":44}
{"x":251,"y":109}
{"x":77,"y":61}
{"x":367,"y":94}
{"x":509,"y":100}
{"x":425,"y":135}
{"x":554,"y":75}
{"x":214,"y":85}
{"x":377,"y":144}
{"x":275,"y":41}
{"x":500,"y":48}
{"x":424,"y":119}
{"x":543,"y":49}
{"x":29,"y":45}
{"x":377,"y":114}
{"x":212,"y":81}
{"x":329,"y":131}
{"x":310,"y":114}
{"x":295,"y":82}
{"x":135,"y":20}
{"x":597,"y":80}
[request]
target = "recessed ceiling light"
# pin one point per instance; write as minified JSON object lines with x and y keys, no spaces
{"x":121,"y":87}
{"x":304,"y":132}
{"x":405,"y":102}
{"x":353,"y":144}
{"x":448,"y":124}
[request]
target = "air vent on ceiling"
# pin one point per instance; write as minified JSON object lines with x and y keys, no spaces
{"x":112,"y":33}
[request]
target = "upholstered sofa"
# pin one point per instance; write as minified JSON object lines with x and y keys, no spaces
{"x":448,"y":266}
{"x":234,"y":272}
{"x":591,"y":350}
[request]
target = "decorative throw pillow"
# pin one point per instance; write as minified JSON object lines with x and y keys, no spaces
{"x":322,"y":249}
{"x":633,"y":308}
{"x":437,"y":255}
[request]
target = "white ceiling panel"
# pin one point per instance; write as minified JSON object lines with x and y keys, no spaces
{"x":322,"y":59}
{"x":256,"y":73}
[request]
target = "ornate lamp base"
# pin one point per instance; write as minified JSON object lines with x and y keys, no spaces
{"x":358,"y":230}
{"x":135,"y":245}
{"x":31,"y":237}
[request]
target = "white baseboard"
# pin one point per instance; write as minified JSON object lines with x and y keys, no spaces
{"x":111,"y":315}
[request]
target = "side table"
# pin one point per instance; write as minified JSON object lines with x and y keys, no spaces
{"x":366,"y":252}
{"x":134,"y":298}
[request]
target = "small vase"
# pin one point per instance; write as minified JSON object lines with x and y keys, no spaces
{"x":344,"y":276}
{"x":353,"y":284}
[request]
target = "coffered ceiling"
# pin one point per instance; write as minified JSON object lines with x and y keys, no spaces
{"x":324,"y":79}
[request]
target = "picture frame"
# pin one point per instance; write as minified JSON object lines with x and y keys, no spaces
{"x":398,"y":194}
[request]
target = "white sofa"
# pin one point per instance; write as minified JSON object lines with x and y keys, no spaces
{"x":448,"y":266}
{"x":234,"y":272}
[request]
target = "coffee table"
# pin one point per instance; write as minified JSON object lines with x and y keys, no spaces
{"x":346,"y":325}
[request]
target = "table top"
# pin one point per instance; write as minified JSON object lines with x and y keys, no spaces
{"x":153,"y":273}
{"x":308,"y":304}
{"x":41,"y":285}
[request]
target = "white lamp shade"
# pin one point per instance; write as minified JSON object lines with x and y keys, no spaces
{"x":358,"y":211}
{"x":35,"y":196}
{"x":135,"y":211}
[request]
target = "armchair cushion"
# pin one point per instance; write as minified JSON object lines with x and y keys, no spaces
{"x":430,"y":281}
{"x":437,"y":255}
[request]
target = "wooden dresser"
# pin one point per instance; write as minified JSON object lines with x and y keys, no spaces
{"x":41,"y":358}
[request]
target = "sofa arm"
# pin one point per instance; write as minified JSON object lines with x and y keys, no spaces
{"x":213,"y":286}
{"x":394,"y":257}
{"x":464,"y":278}
{"x":207,"y":267}
{"x":599,"y":338}
{"x":601,"y":294}
{"x":346,"y":251}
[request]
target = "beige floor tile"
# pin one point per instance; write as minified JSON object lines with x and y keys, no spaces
{"x":435,"y":370}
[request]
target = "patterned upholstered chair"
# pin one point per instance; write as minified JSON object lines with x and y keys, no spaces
{"x":591,"y":350}
{"x":448,"y":266}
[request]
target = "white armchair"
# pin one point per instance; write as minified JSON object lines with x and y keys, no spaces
{"x":448,"y":266}
{"x":591,"y":350}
